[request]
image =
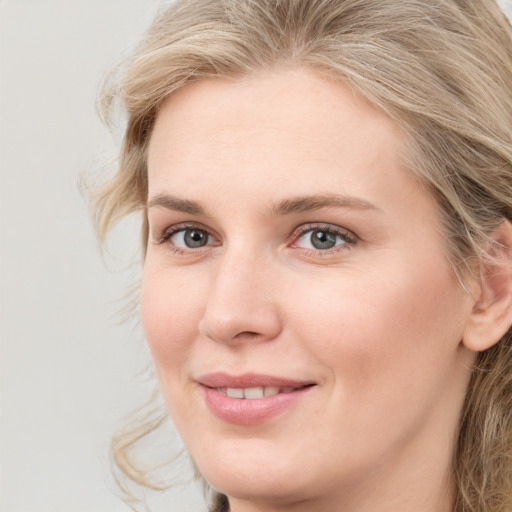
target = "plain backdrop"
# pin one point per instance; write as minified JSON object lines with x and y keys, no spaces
{"x":69,"y":372}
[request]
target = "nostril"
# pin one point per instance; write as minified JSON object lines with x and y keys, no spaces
{"x":248,"y":334}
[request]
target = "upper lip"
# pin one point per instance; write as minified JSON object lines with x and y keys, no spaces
{"x":249,"y":380}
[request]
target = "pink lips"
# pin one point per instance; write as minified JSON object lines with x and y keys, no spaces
{"x":282,"y":394}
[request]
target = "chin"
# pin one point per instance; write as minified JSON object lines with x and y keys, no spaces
{"x":253,"y":487}
{"x":250,"y":474}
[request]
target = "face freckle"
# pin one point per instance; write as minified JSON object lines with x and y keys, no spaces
{"x":365,"y":320}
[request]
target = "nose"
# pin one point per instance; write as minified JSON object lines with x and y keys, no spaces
{"x":242,"y":304}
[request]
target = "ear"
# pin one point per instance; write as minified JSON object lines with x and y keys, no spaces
{"x":491,"y":316}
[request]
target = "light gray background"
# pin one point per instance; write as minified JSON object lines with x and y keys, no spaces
{"x":68,"y":373}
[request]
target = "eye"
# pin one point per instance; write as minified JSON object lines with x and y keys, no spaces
{"x":323,"y":238}
{"x":187,"y":237}
{"x":190,"y":238}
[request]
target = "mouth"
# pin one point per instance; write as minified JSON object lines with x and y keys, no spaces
{"x":251,"y":385}
{"x":251,"y":399}
{"x":254,"y":393}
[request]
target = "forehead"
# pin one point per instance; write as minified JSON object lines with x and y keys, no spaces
{"x":294,"y":127}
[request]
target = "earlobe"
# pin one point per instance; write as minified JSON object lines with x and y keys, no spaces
{"x":491,"y":317}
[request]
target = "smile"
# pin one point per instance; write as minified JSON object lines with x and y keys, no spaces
{"x":254,"y":393}
{"x":251,"y":399}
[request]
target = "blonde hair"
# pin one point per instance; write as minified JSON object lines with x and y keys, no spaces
{"x":442,"y":69}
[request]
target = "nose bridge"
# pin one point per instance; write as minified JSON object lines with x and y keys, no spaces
{"x":241,"y":304}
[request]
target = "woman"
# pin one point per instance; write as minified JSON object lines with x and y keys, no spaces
{"x":326,"y":195}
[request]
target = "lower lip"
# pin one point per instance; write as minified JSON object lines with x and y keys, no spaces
{"x":250,"y":411}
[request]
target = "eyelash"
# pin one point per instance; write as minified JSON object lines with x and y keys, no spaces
{"x":347,"y":237}
{"x":168,"y":233}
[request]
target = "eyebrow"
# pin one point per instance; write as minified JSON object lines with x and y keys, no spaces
{"x":312,"y":203}
{"x":176,"y":204}
{"x":282,"y":208}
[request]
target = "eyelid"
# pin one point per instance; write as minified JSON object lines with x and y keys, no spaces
{"x":345,"y":233}
{"x":165,"y":235}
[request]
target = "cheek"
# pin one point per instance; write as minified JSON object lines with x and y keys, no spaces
{"x":391,"y":354}
{"x":171,"y":311}
{"x":384,"y":324}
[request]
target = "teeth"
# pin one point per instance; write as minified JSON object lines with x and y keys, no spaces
{"x":253,"y":393}
{"x":235,"y":392}
{"x":271,"y":391}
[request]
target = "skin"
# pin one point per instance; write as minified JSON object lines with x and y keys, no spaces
{"x":375,"y":321}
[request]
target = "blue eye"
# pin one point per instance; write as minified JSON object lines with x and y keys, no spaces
{"x":189,"y":238}
{"x":323,"y":239}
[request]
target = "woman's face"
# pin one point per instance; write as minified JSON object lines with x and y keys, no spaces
{"x":303,"y":318}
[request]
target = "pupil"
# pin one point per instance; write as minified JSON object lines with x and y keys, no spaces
{"x":323,"y":240}
{"x":195,"y":238}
